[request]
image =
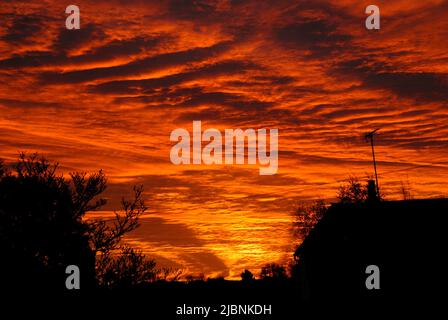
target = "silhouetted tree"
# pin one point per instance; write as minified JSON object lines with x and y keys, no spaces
{"x":106,"y":235}
{"x":307,"y":215}
{"x":3,"y":169}
{"x":353,"y":191}
{"x":200,"y":277}
{"x":41,"y":227}
{"x":127,"y":269}
{"x":406,"y":190}
{"x":43,"y":230}
{"x":273,"y":271}
{"x":247,"y":276}
{"x":117,"y":265}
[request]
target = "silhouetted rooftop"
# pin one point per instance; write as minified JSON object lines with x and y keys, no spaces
{"x":400,"y":237}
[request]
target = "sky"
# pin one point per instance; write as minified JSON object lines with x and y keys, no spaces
{"x":107,"y":96}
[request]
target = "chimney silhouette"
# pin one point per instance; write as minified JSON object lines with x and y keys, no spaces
{"x":372,"y":194}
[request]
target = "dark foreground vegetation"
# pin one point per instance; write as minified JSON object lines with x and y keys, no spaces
{"x":43,"y":229}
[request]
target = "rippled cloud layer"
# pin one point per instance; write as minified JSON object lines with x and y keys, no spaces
{"x":107,"y":96}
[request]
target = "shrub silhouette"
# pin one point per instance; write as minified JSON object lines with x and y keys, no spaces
{"x":42,"y":229}
{"x":126,"y":270}
{"x":352,"y":191}
{"x":307,"y":215}
{"x":273,"y":271}
{"x":247,"y":276}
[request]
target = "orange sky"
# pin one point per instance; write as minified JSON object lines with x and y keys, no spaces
{"x":107,"y":96}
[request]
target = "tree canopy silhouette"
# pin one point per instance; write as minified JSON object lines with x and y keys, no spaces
{"x":247,"y":276}
{"x":43,"y":229}
{"x":353,"y":191}
{"x":307,"y":215}
{"x":273,"y":271}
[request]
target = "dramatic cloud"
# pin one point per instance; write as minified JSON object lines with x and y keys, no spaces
{"x":108,"y":96}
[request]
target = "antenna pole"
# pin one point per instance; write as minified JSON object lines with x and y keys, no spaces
{"x":374,"y":166}
{"x":370,"y":136}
